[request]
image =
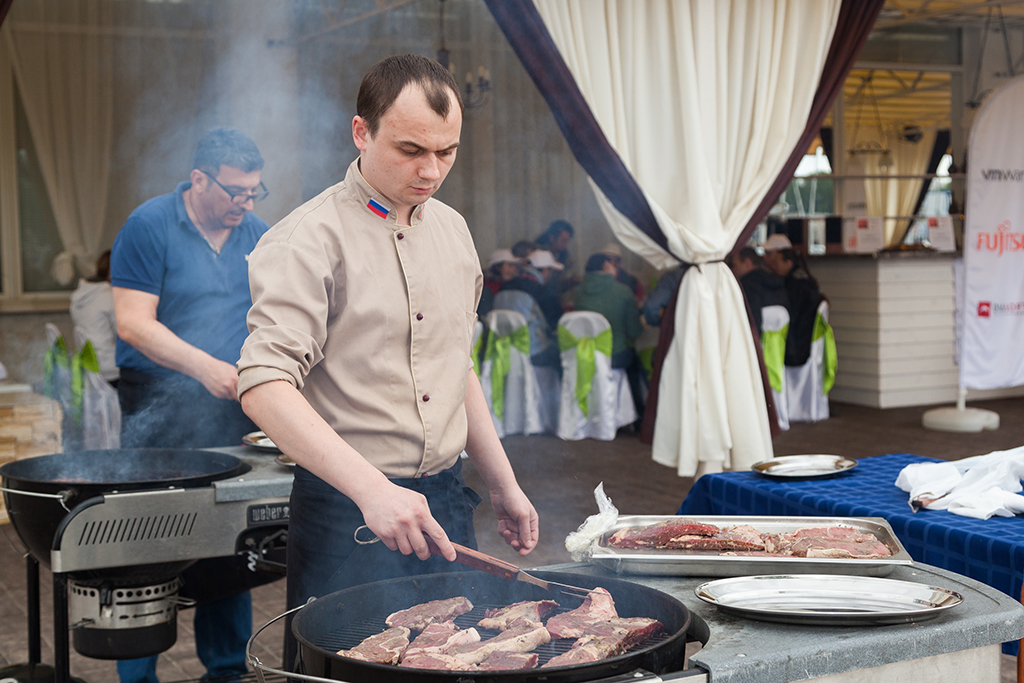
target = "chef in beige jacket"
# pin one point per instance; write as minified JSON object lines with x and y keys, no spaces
{"x":358,"y":363}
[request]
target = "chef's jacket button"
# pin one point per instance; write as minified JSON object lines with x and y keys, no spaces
{"x":419,"y":316}
{"x":401,"y":236}
{"x":425,"y":397}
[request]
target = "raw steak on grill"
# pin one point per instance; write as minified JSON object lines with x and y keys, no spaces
{"x":607,"y":639}
{"x":418,"y":617}
{"x":741,"y":537}
{"x":383,"y":648}
{"x":656,"y":535}
{"x":520,"y":637}
{"x":440,"y":638}
{"x":598,"y":606}
{"x":532,"y":611}
{"x":436,"y":661}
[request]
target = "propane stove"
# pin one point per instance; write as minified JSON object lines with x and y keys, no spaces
{"x":115,"y":557}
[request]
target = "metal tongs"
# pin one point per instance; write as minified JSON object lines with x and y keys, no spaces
{"x":507,"y":570}
{"x":492,"y":565}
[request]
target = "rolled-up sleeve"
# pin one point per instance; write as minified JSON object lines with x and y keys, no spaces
{"x":291,"y":288}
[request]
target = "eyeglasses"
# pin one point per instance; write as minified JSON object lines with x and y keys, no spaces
{"x":241,"y":197}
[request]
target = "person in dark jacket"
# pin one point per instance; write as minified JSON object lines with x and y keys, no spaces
{"x":543,"y":311}
{"x":803,"y":295}
{"x":601,"y":293}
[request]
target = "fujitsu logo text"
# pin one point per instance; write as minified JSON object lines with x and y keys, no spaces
{"x":1001,"y":240}
{"x":1016,"y":175}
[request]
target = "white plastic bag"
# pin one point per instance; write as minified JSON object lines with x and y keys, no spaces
{"x":99,"y":414}
{"x":582,"y":543}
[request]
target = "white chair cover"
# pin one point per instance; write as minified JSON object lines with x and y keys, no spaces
{"x":523,"y":404}
{"x":775,"y":320}
{"x":610,"y":402}
{"x":806,"y":399}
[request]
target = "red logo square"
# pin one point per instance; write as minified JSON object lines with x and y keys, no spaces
{"x":984,"y":309}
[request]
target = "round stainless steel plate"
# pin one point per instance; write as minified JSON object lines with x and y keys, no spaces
{"x":284,"y":460}
{"x":260,"y":441}
{"x":827,"y":600}
{"x":804,"y":466}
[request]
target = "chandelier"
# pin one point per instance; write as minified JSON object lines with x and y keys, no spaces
{"x":474,"y":93}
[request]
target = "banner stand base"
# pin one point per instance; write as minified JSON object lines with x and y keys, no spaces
{"x":960,"y":419}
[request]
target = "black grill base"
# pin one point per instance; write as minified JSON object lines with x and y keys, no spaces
{"x":125,"y":643}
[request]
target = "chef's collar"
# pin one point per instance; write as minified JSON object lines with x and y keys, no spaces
{"x":373,"y":201}
{"x":179,"y":203}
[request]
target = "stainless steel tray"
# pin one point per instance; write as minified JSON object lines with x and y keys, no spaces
{"x":804,"y":466}
{"x":827,"y":600}
{"x":709,"y":563}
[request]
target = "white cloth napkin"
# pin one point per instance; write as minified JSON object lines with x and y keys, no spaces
{"x":981,"y":487}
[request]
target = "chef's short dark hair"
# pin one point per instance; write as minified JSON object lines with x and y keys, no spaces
{"x":226,"y":147}
{"x":387,"y":78}
{"x":596,"y":262}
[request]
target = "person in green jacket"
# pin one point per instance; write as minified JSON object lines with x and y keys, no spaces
{"x":601,"y":293}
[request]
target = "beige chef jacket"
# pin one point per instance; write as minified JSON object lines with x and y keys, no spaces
{"x":373,"y":322}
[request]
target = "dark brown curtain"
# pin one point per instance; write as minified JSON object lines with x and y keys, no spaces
{"x":4,"y":6}
{"x":856,"y":17}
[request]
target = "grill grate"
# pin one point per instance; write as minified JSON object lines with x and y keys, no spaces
{"x":132,"y":529}
{"x":354,"y":633}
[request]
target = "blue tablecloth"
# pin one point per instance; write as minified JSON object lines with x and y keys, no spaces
{"x":990,"y":551}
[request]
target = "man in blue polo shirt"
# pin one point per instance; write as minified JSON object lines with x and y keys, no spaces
{"x":180,"y":279}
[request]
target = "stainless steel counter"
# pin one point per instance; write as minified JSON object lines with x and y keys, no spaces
{"x":961,"y":644}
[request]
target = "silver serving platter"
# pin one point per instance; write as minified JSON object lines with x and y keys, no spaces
{"x":280,"y":460}
{"x":827,"y":600}
{"x":261,"y":442}
{"x":666,"y":562}
{"x":804,"y":466}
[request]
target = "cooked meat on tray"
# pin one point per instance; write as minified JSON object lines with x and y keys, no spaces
{"x":440,"y":638}
{"x":383,"y":648}
{"x":743,"y":539}
{"x":607,"y":639}
{"x":521,"y":636}
{"x":597,"y":606}
{"x":656,"y":535}
{"x":418,"y":617}
{"x":532,"y":611}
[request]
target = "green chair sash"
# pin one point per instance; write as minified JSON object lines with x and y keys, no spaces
{"x":830,"y":357}
{"x":476,"y":353}
{"x":586,"y":366}
{"x":647,"y":360}
{"x":773,"y":344}
{"x":499,"y":352}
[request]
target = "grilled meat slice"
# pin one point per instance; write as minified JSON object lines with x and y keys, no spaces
{"x":440,"y":638}
{"x":437,"y":662}
{"x":597,"y":606}
{"x":532,"y":611}
{"x":741,"y":537}
{"x":383,"y":648}
{"x":607,"y":639}
{"x":418,"y":617}
{"x":521,"y":636}
{"x":656,"y":535}
{"x":509,"y":661}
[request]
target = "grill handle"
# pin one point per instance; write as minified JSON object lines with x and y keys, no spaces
{"x":261,"y":669}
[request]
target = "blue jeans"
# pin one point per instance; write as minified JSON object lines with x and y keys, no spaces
{"x":222,"y":629}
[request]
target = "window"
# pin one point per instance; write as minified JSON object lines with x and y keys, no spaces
{"x":807,"y":194}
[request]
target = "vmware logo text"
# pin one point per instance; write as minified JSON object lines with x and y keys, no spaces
{"x":987,"y":309}
{"x":1009,"y":174}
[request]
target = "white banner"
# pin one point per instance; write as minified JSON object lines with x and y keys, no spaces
{"x":992,"y":354}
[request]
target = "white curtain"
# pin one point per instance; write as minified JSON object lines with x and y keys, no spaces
{"x":896,"y":197}
{"x":65,"y":79}
{"x":703,"y":101}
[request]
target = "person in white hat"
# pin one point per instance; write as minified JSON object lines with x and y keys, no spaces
{"x":501,"y":267}
{"x":543,"y":311}
{"x":773,"y":248}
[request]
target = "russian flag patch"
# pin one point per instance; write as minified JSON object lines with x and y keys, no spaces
{"x":377,"y":208}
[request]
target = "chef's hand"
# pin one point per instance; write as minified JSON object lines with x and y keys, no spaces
{"x":517,"y":519}
{"x":401,"y":519}
{"x":220,"y":379}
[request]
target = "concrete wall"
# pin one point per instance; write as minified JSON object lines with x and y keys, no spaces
{"x":23,"y":343}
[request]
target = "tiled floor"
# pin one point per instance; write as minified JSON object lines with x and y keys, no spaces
{"x":560,"y":478}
